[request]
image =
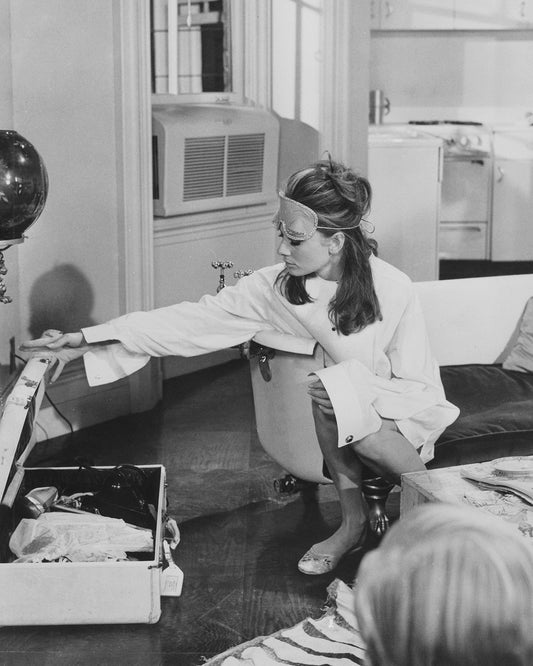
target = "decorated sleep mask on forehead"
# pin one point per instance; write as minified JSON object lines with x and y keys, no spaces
{"x":297,"y":221}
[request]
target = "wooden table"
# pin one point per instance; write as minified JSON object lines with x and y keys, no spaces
{"x":447,"y":485}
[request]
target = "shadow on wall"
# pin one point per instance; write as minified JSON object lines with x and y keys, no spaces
{"x":62,"y":298}
{"x":298,"y":147}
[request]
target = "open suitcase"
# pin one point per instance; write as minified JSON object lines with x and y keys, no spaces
{"x":64,"y":591}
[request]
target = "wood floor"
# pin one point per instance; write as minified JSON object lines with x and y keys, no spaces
{"x":240,"y":539}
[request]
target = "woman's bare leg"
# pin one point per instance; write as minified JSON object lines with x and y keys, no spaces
{"x":345,"y":469}
{"x":388,"y":452}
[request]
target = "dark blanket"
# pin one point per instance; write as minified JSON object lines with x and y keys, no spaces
{"x":496,"y":417}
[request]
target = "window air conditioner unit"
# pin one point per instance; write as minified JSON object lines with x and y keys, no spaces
{"x":209,"y":157}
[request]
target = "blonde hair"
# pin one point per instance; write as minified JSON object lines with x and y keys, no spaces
{"x":449,"y":586}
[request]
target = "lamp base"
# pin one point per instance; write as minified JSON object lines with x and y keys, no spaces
{"x":6,"y":244}
{"x":3,"y":288}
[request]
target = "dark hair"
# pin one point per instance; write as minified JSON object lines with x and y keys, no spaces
{"x":341,"y":199}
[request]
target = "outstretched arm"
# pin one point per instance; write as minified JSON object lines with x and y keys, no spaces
{"x":66,"y":347}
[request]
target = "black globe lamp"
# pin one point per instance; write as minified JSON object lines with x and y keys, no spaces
{"x":23,"y":192}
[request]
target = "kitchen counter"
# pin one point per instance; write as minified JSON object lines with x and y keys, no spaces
{"x":492,"y":116}
{"x":399,"y":134}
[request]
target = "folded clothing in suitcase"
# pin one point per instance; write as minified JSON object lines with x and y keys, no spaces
{"x":92,"y":544}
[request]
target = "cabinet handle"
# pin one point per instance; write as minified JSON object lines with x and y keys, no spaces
{"x":389,"y":9}
{"x":499,"y":174}
{"x":460,"y":226}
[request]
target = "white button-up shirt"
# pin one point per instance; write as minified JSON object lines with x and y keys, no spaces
{"x":384,"y":371}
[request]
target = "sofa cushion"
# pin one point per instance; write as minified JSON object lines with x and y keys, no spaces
{"x":496,"y":417}
{"x":521,"y":355}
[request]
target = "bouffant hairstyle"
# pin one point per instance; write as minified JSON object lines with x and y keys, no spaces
{"x":341,"y":198}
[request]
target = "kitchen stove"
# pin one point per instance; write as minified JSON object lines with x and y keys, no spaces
{"x":462,"y":138}
{"x":464,"y":229}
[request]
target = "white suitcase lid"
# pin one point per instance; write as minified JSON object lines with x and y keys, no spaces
{"x":18,"y":418}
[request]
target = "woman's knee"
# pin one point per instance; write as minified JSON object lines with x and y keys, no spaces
{"x":367,"y":448}
{"x":372,"y":446}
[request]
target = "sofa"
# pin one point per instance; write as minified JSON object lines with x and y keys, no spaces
{"x":476,"y":331}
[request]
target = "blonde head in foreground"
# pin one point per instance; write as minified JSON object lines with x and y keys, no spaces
{"x":448,"y":586}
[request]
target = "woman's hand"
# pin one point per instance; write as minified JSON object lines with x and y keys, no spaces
{"x":65,"y":347}
{"x":320,"y":397}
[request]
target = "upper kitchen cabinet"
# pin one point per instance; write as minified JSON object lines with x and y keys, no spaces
{"x":493,"y":14}
{"x":451,"y":14}
{"x":411,"y":14}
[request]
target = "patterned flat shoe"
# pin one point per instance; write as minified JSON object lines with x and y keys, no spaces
{"x":316,"y":564}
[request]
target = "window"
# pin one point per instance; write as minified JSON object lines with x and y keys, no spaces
{"x":193,"y":50}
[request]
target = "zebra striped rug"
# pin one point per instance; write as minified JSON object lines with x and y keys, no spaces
{"x":334,"y":639}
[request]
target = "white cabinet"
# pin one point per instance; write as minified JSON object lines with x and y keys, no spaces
{"x":405,"y":171}
{"x":412,"y":14}
{"x":451,"y":14}
{"x":512,"y":206}
{"x":493,"y":14}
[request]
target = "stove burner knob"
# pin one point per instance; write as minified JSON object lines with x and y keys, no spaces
{"x":464,"y":142}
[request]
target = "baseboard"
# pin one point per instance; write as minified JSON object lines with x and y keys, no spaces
{"x":71,"y":404}
{"x":82,"y":411}
{"x":175,"y":366}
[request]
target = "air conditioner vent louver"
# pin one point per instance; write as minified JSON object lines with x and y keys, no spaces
{"x":245,"y":164}
{"x":203,"y":168}
{"x":204,"y":159}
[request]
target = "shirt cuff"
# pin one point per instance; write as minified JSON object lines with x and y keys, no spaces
{"x":352,"y":396}
{"x":98,"y":333}
{"x":108,"y":363}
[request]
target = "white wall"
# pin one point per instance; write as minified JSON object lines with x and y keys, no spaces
{"x":64,"y":102}
{"x":76,"y":78}
{"x":486,"y":74}
{"x":6,"y":101}
{"x":9,"y":313}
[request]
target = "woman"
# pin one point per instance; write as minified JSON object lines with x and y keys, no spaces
{"x":377,"y":401}
{"x":448,"y":585}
